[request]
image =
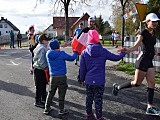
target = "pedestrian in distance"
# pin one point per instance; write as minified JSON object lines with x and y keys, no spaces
{"x":11,"y":35}
{"x":92,"y":73}
{"x":19,"y":39}
{"x":112,"y":37}
{"x":76,"y":33}
{"x":143,"y":64}
{"x":40,"y":64}
{"x":78,"y":30}
{"x":58,"y":80}
{"x":116,"y":38}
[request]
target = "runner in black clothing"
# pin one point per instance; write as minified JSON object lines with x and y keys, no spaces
{"x":144,"y":65}
{"x":91,"y":26}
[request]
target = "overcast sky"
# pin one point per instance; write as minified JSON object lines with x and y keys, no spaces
{"x":22,"y":13}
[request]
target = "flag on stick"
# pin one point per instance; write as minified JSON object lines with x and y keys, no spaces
{"x":130,"y":14}
{"x":80,"y":44}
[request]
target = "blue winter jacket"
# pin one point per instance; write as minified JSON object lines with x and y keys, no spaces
{"x":92,"y":64}
{"x":57,"y":61}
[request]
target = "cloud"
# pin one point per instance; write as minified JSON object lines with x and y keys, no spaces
{"x":22,"y":13}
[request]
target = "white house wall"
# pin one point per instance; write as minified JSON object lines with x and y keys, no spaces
{"x":51,"y":32}
{"x":5,"y":31}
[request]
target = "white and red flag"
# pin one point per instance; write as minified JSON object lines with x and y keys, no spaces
{"x":80,"y":44}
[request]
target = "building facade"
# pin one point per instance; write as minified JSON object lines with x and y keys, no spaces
{"x":6,"y":26}
{"x":59,"y":24}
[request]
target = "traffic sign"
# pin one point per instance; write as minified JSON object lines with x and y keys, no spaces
{"x":141,"y":9}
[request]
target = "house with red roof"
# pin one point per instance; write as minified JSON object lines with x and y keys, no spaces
{"x":59,"y":24}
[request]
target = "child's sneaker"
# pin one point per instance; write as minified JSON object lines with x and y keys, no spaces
{"x":115,"y":90}
{"x":91,"y":117}
{"x":46,"y":111}
{"x":39,"y":104}
{"x":152,"y":111}
{"x":62,"y":112}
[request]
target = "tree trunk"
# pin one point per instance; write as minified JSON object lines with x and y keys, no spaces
{"x":67,"y":23}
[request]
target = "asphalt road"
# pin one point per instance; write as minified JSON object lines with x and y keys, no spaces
{"x":17,"y":92}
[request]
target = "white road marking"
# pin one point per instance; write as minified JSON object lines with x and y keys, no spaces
{"x":13,"y":63}
{"x":3,"y":55}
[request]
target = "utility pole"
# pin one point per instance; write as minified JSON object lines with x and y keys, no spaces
{"x":123,"y":25}
{"x":123,"y":4}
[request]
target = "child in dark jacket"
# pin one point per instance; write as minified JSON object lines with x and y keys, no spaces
{"x":58,"y":80}
{"x":92,"y":72}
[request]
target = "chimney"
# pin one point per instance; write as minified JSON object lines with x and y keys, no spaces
{"x":2,"y":18}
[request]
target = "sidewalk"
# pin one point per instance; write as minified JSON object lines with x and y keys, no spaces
{"x":23,"y":44}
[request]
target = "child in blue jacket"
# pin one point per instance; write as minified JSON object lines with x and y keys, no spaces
{"x":92,"y":72}
{"x":58,"y":80}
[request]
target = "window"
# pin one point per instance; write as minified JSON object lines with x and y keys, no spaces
{"x":5,"y":25}
{"x":63,"y":33}
{"x":1,"y":26}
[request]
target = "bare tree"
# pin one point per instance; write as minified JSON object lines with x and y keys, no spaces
{"x":65,"y":6}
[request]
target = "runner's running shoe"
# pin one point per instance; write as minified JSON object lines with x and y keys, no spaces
{"x":115,"y":90}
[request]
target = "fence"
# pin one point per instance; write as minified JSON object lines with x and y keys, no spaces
{"x":6,"y":39}
{"x":131,"y":57}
